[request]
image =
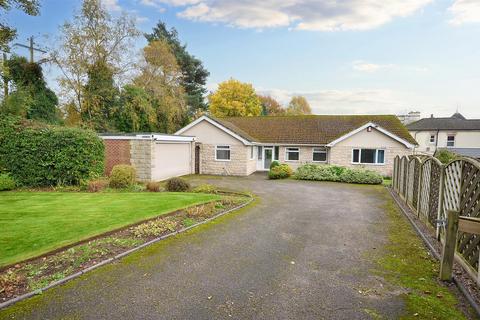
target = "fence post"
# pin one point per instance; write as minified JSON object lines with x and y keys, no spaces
{"x":449,"y":245}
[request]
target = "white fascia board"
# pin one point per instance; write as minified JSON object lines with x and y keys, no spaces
{"x":375,"y":126}
{"x":126,"y":137}
{"x":216,"y":124}
{"x":171,"y":138}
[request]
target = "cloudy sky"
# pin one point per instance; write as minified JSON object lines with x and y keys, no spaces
{"x":345,"y":56}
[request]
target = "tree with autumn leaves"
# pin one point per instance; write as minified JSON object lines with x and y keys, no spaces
{"x":237,"y":99}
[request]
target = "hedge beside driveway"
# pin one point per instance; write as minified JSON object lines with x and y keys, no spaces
{"x":337,"y":173}
{"x":44,"y":155}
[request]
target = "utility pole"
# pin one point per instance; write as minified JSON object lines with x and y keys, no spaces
{"x":30,"y":47}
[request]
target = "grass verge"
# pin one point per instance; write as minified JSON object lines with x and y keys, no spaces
{"x":406,"y":263}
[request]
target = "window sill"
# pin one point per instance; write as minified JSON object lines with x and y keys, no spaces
{"x":220,"y":160}
{"x":368,"y":164}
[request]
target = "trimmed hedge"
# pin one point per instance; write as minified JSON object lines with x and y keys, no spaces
{"x":44,"y":155}
{"x":337,"y":173}
{"x":122,"y":176}
{"x":280,"y":171}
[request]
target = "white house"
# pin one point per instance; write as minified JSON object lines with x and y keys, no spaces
{"x":455,"y":133}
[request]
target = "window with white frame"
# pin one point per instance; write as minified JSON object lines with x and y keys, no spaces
{"x":252,"y":152}
{"x":260,"y":152}
{"x":432,"y":138}
{"x":368,"y":156}
{"x":222,"y":153}
{"x":451,"y":140}
{"x":319,"y":155}
{"x":292,"y":154}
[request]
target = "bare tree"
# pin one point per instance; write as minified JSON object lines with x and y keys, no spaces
{"x":93,"y":36}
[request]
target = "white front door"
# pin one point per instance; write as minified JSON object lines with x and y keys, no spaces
{"x":267,"y":157}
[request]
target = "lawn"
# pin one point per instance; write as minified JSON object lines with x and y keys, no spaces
{"x":33,"y":223}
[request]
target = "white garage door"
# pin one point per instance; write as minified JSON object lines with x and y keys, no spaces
{"x":171,"y":160}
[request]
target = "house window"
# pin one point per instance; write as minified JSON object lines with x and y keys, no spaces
{"x":252,"y":153}
{"x":276,"y":153}
{"x":319,"y":155}
{"x":292,"y":154}
{"x":432,"y":138}
{"x":451,"y":140}
{"x":222,"y":153}
{"x":368,"y":156}
{"x":260,"y":153}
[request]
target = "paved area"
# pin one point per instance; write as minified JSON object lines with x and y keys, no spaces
{"x":301,"y":252}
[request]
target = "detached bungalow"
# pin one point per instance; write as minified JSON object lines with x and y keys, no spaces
{"x":242,"y":145}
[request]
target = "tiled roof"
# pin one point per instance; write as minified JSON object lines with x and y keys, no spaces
{"x":308,"y":129}
{"x":455,"y":122}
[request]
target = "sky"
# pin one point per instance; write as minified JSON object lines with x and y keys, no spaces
{"x":344,"y":56}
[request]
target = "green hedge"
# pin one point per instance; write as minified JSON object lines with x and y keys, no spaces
{"x":336,"y":173}
{"x":42,"y":155}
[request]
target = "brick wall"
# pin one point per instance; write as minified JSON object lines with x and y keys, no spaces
{"x":116,"y":152}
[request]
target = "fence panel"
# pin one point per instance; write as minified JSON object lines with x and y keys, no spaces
{"x":410,"y":181}
{"x":436,"y":172}
{"x":432,"y":189}
{"x":468,"y":245}
{"x":424,"y":200}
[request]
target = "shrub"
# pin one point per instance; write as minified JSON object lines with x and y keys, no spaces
{"x":361,"y":176}
{"x":205,"y":188}
{"x":445,"y":156}
{"x":97,"y":185}
{"x":7,"y":182}
{"x":177,"y":185}
{"x":154,"y":228}
{"x":336,"y":173}
{"x":45,"y":155}
{"x":153,"y":186}
{"x":274,"y":164}
{"x":122,"y":176}
{"x":281,"y":171}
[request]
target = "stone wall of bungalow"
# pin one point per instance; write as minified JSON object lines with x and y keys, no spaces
{"x":238,"y":165}
{"x":342,"y":155}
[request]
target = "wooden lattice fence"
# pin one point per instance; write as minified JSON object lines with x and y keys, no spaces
{"x":431,"y":189}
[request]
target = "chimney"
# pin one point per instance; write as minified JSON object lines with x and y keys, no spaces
{"x":431,"y":116}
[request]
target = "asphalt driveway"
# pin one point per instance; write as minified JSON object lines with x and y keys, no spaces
{"x":300,"y":252}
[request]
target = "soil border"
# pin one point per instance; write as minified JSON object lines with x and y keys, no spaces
{"x":459,"y":274}
{"x":22,"y":297}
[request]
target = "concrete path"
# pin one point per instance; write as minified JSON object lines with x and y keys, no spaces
{"x":301,"y":252}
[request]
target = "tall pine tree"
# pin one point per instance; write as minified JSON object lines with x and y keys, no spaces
{"x":194,"y":74}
